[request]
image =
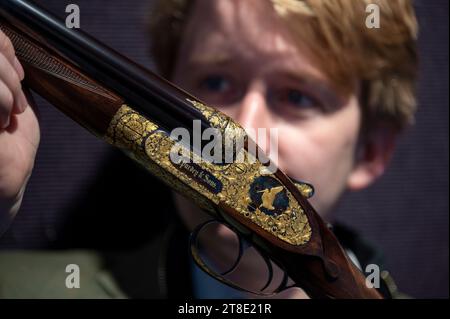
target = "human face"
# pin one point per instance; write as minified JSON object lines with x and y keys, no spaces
{"x":239,"y":57}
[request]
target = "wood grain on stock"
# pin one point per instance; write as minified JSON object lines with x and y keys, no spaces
{"x":63,"y":85}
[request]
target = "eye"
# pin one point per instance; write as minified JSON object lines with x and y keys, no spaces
{"x":215,"y":83}
{"x":218,"y":89}
{"x":294,"y":102}
{"x":297,"y":99}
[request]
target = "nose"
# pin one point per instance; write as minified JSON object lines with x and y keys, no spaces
{"x":253,"y":112}
{"x":254,"y":115}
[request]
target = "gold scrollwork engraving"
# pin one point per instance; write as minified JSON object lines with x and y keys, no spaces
{"x":207,"y":184}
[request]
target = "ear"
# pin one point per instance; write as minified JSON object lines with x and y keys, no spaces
{"x":373,"y":156}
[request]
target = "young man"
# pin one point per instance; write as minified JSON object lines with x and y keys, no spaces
{"x":338,"y":91}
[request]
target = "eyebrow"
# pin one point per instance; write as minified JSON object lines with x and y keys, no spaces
{"x":211,"y":58}
{"x":221,"y":58}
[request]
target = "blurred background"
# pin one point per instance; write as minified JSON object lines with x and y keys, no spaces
{"x":405,"y":214}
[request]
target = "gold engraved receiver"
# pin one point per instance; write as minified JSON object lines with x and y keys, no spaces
{"x":245,"y":186}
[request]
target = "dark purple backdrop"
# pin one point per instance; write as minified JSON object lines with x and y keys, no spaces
{"x":405,"y":213}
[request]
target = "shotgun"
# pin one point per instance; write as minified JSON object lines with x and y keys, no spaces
{"x":135,"y":110}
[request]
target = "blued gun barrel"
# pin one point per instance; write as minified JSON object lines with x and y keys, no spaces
{"x":147,"y":92}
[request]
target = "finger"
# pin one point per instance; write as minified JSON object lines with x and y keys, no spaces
{"x":12,"y":81}
{"x":6,"y":105}
{"x":7,"y":48}
{"x":19,"y":68}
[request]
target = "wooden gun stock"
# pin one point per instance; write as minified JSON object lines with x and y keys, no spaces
{"x":137,"y":116}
